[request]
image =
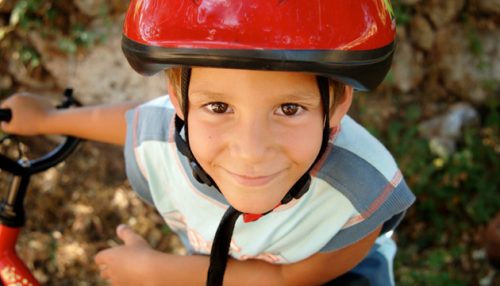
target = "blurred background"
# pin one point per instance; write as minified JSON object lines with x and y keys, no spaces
{"x":437,"y":111}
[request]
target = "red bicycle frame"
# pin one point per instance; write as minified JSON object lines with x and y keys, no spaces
{"x":12,"y":269}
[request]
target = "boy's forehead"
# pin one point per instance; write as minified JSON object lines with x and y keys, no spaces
{"x":202,"y":73}
{"x":217,"y":80}
{"x":221,"y":84}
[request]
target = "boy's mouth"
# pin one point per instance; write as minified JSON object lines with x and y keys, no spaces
{"x":253,"y":180}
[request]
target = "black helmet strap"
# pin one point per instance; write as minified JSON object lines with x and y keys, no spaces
{"x":220,"y":245}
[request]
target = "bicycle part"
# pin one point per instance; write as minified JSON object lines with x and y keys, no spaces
{"x":11,"y":211}
{"x":5,"y":115}
{"x":49,"y":160}
{"x":12,"y":269}
{"x":69,"y":100}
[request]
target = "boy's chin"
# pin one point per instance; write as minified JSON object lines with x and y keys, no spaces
{"x":254,"y":201}
{"x":250,"y":207}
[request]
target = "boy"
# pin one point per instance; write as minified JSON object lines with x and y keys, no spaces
{"x":255,"y":124}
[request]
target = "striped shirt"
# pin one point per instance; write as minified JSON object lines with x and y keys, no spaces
{"x":355,"y":188}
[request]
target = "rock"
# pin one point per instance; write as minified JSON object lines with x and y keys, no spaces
{"x":5,"y":82}
{"x":491,"y":48}
{"x":444,"y":131}
{"x":442,"y":12}
{"x":22,"y":75}
{"x":422,"y":32}
{"x":105,"y":75}
{"x":100,"y":75}
{"x":489,"y":6}
{"x":472,"y":74}
{"x":409,"y":2}
{"x":478,"y":94}
{"x":6,"y":6}
{"x":407,"y":67}
{"x":91,"y":8}
{"x":458,"y":116}
{"x":493,"y":241}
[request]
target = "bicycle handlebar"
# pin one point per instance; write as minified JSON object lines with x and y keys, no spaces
{"x":5,"y":115}
{"x":52,"y":158}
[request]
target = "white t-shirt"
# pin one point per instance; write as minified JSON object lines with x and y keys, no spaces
{"x":355,"y":188}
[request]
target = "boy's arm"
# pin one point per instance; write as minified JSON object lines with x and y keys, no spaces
{"x":315,"y":270}
{"x":35,"y":115}
{"x":134,"y":260}
{"x":103,"y":123}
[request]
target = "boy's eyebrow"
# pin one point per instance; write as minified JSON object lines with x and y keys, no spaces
{"x":206,"y":94}
{"x":299,"y":96}
{"x":292,"y":96}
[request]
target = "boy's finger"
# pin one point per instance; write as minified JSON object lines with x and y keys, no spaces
{"x":101,"y":257}
{"x":98,"y":258}
{"x":128,"y":235}
{"x":103,"y":270}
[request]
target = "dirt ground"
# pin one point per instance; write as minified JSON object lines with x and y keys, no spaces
{"x":72,"y":211}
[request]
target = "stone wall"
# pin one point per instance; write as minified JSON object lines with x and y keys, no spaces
{"x":448,"y":51}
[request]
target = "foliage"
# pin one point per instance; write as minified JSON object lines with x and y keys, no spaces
{"x":58,"y":22}
{"x":402,"y":13}
{"x":455,"y":196}
{"x":52,"y":19}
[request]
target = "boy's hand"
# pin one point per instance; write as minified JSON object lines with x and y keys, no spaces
{"x":28,"y":114}
{"x":126,"y":264}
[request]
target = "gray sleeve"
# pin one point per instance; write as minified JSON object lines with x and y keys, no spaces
{"x":377,"y":199}
{"x":136,"y":178}
{"x":389,"y":214}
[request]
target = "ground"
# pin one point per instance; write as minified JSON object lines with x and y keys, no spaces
{"x":67,"y":221}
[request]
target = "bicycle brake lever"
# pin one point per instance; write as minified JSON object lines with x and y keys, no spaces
{"x":69,"y":100}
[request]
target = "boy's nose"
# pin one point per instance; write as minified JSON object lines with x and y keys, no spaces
{"x":252,"y":140}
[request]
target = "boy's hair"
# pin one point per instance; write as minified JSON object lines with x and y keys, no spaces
{"x":337,"y":89}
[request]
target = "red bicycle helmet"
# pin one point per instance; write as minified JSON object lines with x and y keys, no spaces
{"x":350,"y":41}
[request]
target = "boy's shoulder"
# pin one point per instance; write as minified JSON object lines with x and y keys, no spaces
{"x":353,"y":147}
{"x":360,"y":167}
{"x":150,"y":121}
{"x":161,"y":101}
{"x":362,"y":170}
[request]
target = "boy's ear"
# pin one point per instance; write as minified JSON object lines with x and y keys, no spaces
{"x":175,"y":101}
{"x":342,"y":107}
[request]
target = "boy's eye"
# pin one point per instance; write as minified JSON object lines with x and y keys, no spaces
{"x":218,"y":107}
{"x":289,"y":109}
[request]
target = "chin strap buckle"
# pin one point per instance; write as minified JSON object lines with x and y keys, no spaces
{"x":200,"y":175}
{"x":251,"y":217}
{"x":298,"y":190}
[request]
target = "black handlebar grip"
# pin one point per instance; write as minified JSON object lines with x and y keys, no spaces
{"x":5,"y":114}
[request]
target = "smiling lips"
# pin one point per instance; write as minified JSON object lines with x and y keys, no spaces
{"x":253,"y":181}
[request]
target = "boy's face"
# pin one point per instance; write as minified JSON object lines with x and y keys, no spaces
{"x":254,"y":132}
